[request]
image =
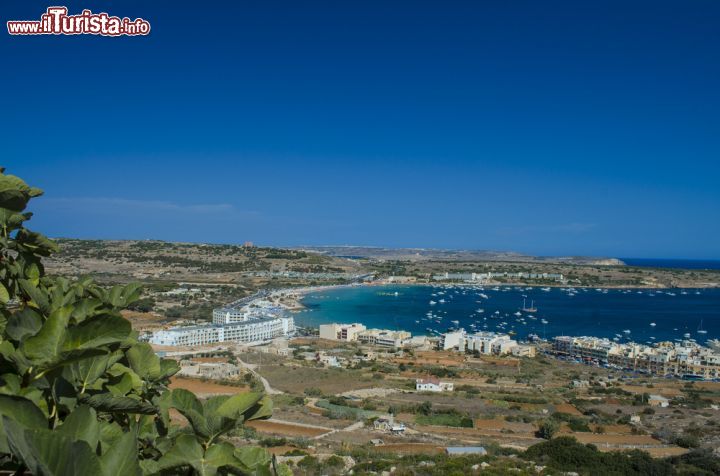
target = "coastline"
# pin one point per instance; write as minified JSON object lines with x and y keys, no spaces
{"x":291,"y":298}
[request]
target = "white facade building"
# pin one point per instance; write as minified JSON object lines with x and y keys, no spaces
{"x":252,"y":330}
{"x":385,"y":338}
{"x":433,"y":385}
{"x":237,"y":322}
{"x":346,"y":332}
{"x":453,"y":340}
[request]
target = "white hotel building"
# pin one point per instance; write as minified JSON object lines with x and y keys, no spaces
{"x":231,"y":324}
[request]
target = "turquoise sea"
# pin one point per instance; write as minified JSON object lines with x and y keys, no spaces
{"x":640,"y":315}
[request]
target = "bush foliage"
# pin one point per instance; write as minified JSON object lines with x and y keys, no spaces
{"x":79,"y":394}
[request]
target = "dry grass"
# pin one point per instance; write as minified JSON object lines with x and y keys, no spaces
{"x":409,"y":448}
{"x":285,"y":429}
{"x":615,"y":440}
{"x":206,"y":388}
{"x":330,"y":381}
{"x":567,"y":408}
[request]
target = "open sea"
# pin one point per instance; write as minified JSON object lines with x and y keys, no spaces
{"x":613,"y":313}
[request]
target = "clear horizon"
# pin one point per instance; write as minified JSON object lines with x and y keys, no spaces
{"x":553,"y":129}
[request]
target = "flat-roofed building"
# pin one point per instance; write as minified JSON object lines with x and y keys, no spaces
{"x":432,"y":384}
{"x":346,"y":332}
{"x":384,"y":337}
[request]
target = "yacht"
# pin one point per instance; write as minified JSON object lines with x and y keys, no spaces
{"x":532,"y":307}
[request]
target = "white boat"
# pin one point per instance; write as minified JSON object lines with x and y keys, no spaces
{"x":432,"y":303}
{"x":700,"y":329}
{"x":627,"y":331}
{"x":652,"y":324}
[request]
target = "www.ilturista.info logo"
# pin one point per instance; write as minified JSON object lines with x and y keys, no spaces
{"x":56,"y":21}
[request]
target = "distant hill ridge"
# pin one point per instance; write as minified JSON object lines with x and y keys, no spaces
{"x":376,"y":252}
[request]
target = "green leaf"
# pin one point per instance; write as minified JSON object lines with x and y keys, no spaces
{"x":188,"y":452}
{"x":109,"y":434}
{"x":45,"y":346}
{"x":13,"y":220}
{"x":15,"y":193}
{"x":50,"y":453}
{"x":23,"y":324}
{"x":263,"y":409}
{"x":190,"y":407}
{"x":144,"y":362}
{"x":81,"y":424}
{"x":85,"y":308}
{"x":123,"y":386}
{"x":35,"y":243}
{"x":37,"y":297}
{"x":238,"y":404}
{"x":4,"y":295}
{"x":252,"y":457}
{"x":87,"y":371}
{"x":22,"y":410}
{"x":168,"y":368}
{"x":106,"y":402}
{"x":97,"y":331}
{"x":131,"y":293}
{"x":217,"y":456}
{"x":32,"y":273}
{"x":184,"y":400}
{"x":185,"y":452}
{"x":121,"y":458}
{"x":64,"y":394}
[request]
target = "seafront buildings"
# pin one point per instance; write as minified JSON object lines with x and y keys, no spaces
{"x":247,"y":320}
{"x":683,"y":359}
{"x":359,"y":333}
{"x":483,"y":277}
{"x":487,"y":343}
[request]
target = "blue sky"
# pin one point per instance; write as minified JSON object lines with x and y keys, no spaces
{"x":550,"y":128}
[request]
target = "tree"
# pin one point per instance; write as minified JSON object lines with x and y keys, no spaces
{"x":79,"y":394}
{"x":547,"y":429}
{"x":425,"y":408}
